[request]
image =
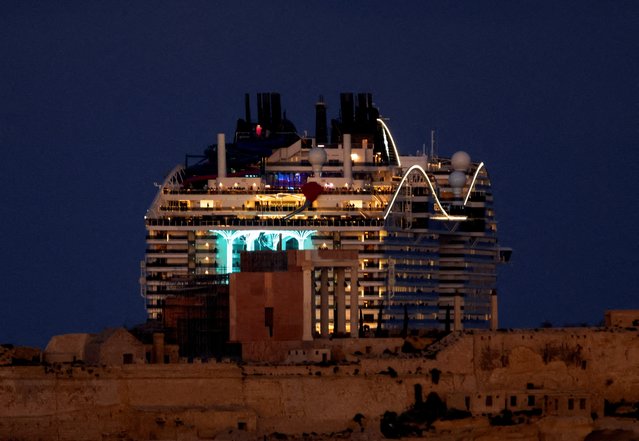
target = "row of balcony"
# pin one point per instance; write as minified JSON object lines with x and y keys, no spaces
{"x":265,"y":223}
{"x":277,"y":190}
{"x":274,"y":208}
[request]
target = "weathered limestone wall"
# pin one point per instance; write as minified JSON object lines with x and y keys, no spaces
{"x":152,"y":402}
{"x":199,"y":400}
{"x":605,"y":362}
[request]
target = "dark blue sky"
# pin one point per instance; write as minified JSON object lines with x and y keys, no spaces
{"x":99,"y":100}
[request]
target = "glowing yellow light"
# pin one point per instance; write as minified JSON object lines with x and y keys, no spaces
{"x":449,"y":217}
{"x":354,"y":157}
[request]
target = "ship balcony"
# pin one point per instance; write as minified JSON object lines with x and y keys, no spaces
{"x":372,"y":282}
{"x":275,"y":190}
{"x":274,"y":208}
{"x":368,"y":255}
{"x":415,"y":283}
{"x":155,"y":240}
{"x":234,"y":222}
{"x":372,"y":269}
{"x":203,"y":264}
{"x":166,"y":269}
{"x":362,"y":242}
{"x":165,"y":254}
{"x":203,"y":240}
{"x":205,"y":251}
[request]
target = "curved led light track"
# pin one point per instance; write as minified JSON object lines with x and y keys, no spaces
{"x":172,"y":180}
{"x":390,"y":135}
{"x":432,"y":189}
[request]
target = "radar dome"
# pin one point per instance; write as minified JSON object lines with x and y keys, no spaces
{"x":457,"y":179}
{"x":317,"y":157}
{"x":460,"y":161}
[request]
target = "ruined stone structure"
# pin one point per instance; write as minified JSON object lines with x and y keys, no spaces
{"x":111,"y":347}
{"x":568,"y":380}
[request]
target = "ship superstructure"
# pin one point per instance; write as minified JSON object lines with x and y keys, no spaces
{"x":423,"y":226}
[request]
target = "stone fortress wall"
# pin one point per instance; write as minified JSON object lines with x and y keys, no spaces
{"x":198,"y":401}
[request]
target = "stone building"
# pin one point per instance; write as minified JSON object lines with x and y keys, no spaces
{"x":622,"y":318}
{"x":66,"y":348}
{"x":283,"y":301}
{"x":115,"y":346}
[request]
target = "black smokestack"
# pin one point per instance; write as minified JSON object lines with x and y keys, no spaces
{"x":276,"y":111}
{"x":346,"y":101}
{"x":260,"y":110}
{"x":321,"y":131}
{"x":247,"y":108}
{"x":361,"y":110}
{"x":266,"y":110}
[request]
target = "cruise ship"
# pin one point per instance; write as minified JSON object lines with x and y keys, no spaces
{"x":423,"y":226}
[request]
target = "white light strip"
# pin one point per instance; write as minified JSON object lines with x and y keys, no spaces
{"x":450,"y":218}
{"x":472,"y":184}
{"x":432,"y":189}
{"x":379,"y":120}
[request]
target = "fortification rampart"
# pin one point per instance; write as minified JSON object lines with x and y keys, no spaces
{"x":200,"y":400}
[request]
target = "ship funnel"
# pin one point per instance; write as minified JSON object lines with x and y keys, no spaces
{"x":276,"y":112}
{"x":221,"y":156}
{"x":247,"y":108}
{"x":266,"y":111}
{"x":347,"y":111}
{"x":321,"y":131}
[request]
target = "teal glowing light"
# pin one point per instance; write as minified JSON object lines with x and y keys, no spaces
{"x":259,"y":240}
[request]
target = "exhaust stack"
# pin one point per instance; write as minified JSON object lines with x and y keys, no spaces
{"x":321,"y":131}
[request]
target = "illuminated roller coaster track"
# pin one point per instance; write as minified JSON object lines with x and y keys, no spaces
{"x":432,"y":189}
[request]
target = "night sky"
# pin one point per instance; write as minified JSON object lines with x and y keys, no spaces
{"x":99,"y":100}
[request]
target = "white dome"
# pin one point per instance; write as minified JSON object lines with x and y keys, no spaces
{"x":317,"y":156}
{"x":460,"y":161}
{"x":457,"y":179}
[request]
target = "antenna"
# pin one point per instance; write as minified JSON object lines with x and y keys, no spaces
{"x":433,"y":145}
